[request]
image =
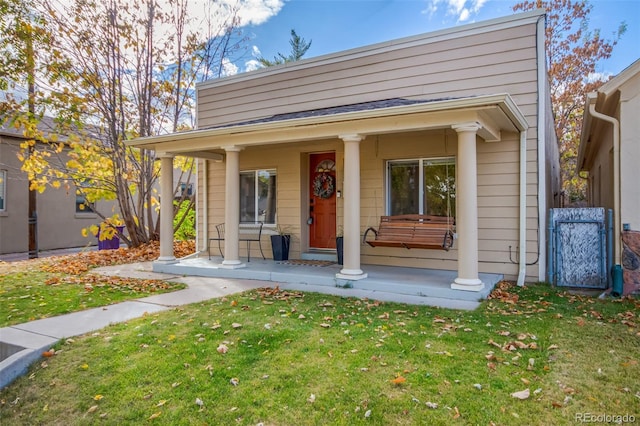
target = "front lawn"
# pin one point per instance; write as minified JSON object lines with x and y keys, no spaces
{"x":46,"y":287}
{"x":530,"y":356}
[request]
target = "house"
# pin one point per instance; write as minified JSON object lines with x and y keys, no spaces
{"x":61,"y":213}
{"x":455,"y":123}
{"x":610,"y":153}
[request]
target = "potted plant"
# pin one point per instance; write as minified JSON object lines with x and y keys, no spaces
{"x":340,"y":246}
{"x":109,"y":233}
{"x":280,"y":243}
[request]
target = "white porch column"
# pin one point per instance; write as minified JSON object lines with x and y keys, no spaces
{"x":351,"y":267}
{"x":467,"y":209}
{"x":232,"y":209}
{"x":166,"y":209}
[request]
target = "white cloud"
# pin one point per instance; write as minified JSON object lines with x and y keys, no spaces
{"x":228,"y":68}
{"x":462,"y":10}
{"x":252,"y":65}
{"x":255,"y":12}
{"x":463,"y":15}
{"x":598,"y":76}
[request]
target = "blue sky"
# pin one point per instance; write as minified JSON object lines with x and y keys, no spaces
{"x":335,"y":25}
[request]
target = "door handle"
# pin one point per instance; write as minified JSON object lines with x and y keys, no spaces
{"x":310,"y":221}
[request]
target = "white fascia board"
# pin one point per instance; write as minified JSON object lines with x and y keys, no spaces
{"x":612,"y":85}
{"x":250,"y":131}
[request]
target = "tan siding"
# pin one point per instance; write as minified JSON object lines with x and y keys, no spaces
{"x":499,"y":61}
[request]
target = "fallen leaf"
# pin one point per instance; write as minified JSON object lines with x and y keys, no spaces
{"x":367,"y":414}
{"x":222,"y":348}
{"x":98,"y":397}
{"x":456,"y":412}
{"x":161,"y":403}
{"x":92,"y":409}
{"x":431,"y":405}
{"x":398,"y":380}
{"x":236,"y":325}
{"x":532,"y":362}
{"x":311,"y":399}
{"x":155,"y":415}
{"x":524,"y":394}
{"x":497,"y":345}
{"x":234,"y":381}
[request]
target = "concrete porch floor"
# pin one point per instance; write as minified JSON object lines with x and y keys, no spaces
{"x":406,"y":285}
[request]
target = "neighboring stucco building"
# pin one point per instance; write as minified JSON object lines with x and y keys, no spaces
{"x":61,"y":214}
{"x":453,"y":123}
{"x":610,"y":152}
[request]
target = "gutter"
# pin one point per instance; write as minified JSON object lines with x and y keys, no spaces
{"x":616,"y":176}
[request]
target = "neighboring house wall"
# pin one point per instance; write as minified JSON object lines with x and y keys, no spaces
{"x":59,"y":225}
{"x":620,"y":99}
{"x":500,"y":56}
{"x":629,"y":113}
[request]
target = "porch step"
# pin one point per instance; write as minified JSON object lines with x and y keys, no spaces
{"x":319,"y":255}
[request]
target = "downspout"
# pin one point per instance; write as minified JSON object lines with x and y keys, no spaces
{"x":523,"y":209}
{"x":541,"y":147}
{"x":616,"y":185}
{"x":205,"y":204}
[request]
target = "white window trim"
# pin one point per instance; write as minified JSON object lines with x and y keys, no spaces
{"x":420,"y":161}
{"x":256,"y":195}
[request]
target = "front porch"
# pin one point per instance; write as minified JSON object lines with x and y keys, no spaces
{"x":388,"y":283}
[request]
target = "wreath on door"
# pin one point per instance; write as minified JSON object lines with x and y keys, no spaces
{"x":323,"y":185}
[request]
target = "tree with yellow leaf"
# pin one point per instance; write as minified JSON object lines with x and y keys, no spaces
{"x":573,"y":52}
{"x":108,"y":72}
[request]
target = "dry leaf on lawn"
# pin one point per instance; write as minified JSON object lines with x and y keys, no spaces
{"x":523,"y":394}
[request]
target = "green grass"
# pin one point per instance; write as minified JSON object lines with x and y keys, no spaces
{"x":27,"y":296}
{"x":364,"y":362}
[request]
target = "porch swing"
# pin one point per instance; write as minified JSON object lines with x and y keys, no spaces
{"x":415,"y":231}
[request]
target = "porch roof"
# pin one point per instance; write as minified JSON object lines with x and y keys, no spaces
{"x":495,"y":114}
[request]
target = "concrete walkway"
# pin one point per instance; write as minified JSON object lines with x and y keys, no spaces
{"x":23,"y":344}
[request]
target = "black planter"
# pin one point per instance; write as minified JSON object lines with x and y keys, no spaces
{"x":340,"y":249}
{"x":280,"y":246}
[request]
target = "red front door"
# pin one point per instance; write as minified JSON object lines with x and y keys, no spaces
{"x":322,"y":200}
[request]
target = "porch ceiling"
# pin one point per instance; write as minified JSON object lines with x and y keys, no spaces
{"x":495,"y":113}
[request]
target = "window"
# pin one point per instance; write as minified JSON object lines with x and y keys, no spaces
{"x":3,"y":190}
{"x":186,"y":189}
{"x":422,"y":186}
{"x":82,"y":205}
{"x":258,"y":196}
